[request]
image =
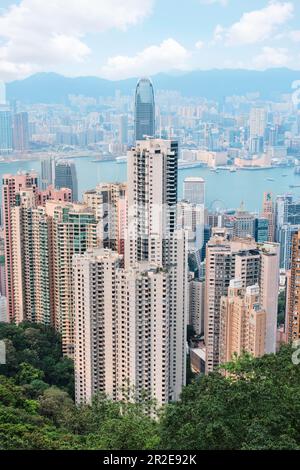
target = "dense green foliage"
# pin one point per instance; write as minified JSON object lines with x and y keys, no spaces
{"x":256,"y":406}
{"x":34,"y":355}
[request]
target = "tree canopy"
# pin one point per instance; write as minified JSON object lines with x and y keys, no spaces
{"x":248,"y":404}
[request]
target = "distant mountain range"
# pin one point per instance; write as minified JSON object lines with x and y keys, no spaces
{"x":211,"y":84}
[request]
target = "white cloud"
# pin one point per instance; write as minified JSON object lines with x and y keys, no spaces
{"x":295,"y":36}
{"x":169,"y":55}
{"x":256,"y":26}
{"x":211,"y":2}
{"x":38,"y":33}
{"x":272,"y":57}
{"x":199,"y":45}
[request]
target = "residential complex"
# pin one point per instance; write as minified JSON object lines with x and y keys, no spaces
{"x":123,"y":273}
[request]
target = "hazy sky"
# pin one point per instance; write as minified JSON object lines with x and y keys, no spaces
{"x":117,"y":39}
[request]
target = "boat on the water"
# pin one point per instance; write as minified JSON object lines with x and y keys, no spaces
{"x":122,"y":159}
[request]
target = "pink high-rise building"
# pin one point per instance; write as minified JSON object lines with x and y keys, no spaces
{"x":12,"y":185}
{"x":268,"y":212}
{"x":27,"y":247}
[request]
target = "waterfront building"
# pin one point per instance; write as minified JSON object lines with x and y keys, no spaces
{"x":21,"y":132}
{"x":6,"y":140}
{"x":47,"y":172}
{"x":194,"y":190}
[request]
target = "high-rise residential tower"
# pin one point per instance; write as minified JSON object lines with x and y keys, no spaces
{"x":144,"y":110}
{"x":258,"y":122}
{"x":152,"y":198}
{"x":268,"y":212}
{"x":292,"y":319}
{"x":136,"y":314}
{"x":11,"y":186}
{"x":122,"y":323}
{"x":152,"y":237}
{"x":30,"y":256}
{"x":96,"y":322}
{"x":108,"y":201}
{"x":253,"y":264}
{"x":242,"y":322}
{"x":74,"y":230}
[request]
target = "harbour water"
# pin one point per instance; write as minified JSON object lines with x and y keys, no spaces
{"x":224,"y":189}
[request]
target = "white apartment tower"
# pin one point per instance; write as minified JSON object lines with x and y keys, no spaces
{"x":258,"y":122}
{"x":142,"y":322}
{"x":95,"y":287}
{"x":123,"y":323}
{"x":152,"y":199}
{"x":152,"y":236}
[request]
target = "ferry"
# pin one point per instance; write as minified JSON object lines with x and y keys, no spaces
{"x":122,"y":159}
{"x":184,"y":165}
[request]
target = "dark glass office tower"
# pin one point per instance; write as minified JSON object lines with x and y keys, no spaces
{"x":144,"y":110}
{"x":66,"y":177}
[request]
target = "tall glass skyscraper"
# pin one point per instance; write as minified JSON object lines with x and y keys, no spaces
{"x":144,"y":110}
{"x":66,"y":177}
{"x":6,"y":143}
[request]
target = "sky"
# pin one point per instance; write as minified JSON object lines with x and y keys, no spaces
{"x":118,"y":39}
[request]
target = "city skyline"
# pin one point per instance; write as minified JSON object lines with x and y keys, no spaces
{"x":149,"y":228}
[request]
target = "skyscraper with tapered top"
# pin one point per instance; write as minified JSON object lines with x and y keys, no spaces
{"x":144,"y":118}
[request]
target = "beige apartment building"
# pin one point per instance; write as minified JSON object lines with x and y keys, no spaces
{"x":253,"y":264}
{"x":292,"y":319}
{"x":142,"y":327}
{"x":242,"y":322}
{"x":268,"y":212}
{"x":108,"y":202}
